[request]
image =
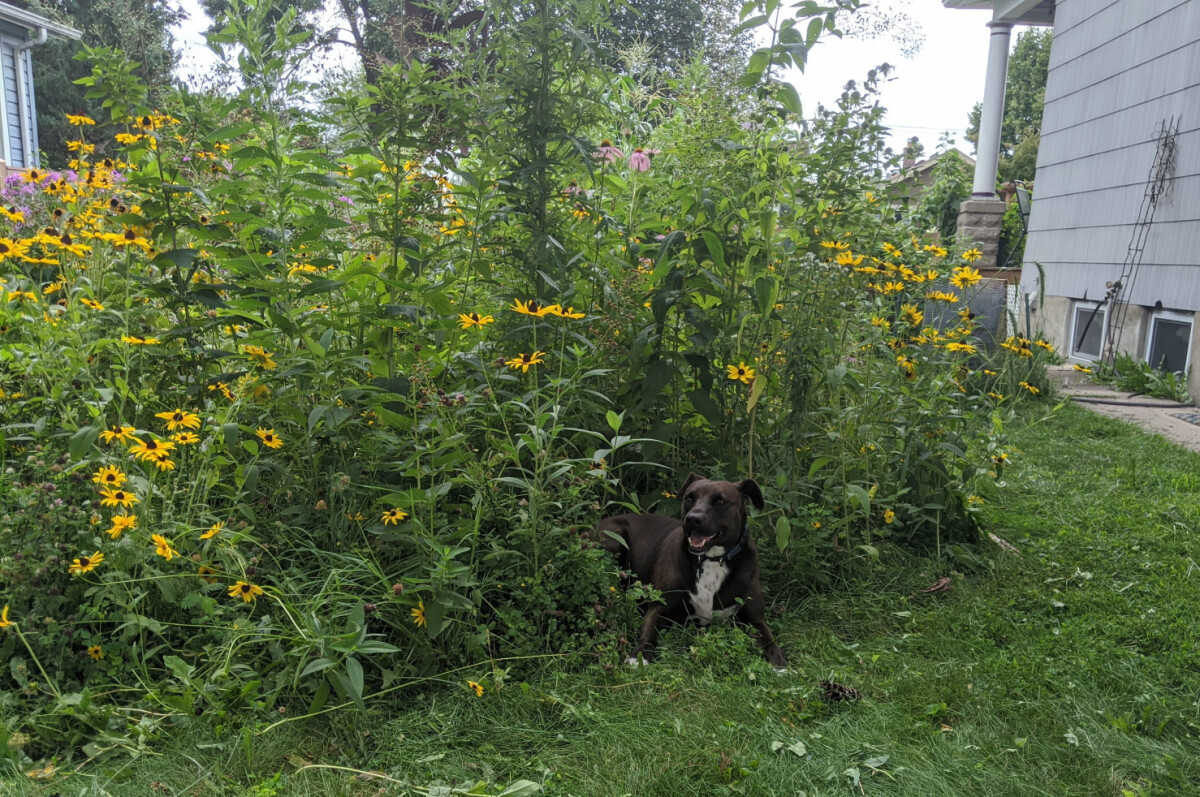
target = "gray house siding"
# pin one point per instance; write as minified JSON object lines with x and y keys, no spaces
{"x":1118,"y":68}
{"x":16,"y":66}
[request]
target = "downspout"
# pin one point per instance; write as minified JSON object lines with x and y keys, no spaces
{"x":19,"y":64}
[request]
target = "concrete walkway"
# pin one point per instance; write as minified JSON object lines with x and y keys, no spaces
{"x":1179,"y":423}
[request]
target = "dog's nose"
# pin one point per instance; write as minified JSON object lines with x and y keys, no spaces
{"x":692,"y":520}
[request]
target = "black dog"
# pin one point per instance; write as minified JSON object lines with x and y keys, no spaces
{"x":704,"y":565}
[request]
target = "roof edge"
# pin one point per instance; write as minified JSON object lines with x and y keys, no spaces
{"x":19,"y":16}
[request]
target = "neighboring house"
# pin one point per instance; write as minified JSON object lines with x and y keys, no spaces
{"x":908,"y":185}
{"x":1122,"y":272}
{"x":20,"y":32}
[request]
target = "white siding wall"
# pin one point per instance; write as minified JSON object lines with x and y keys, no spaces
{"x":1118,"y":68}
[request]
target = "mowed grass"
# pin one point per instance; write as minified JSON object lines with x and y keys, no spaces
{"x":1072,"y":669}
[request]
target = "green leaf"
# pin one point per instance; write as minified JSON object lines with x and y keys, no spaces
{"x":783,"y":534}
{"x":82,"y":440}
{"x":788,"y":97}
{"x":614,"y":420}
{"x":860,"y":495}
{"x":756,"y":390}
{"x":716,"y":250}
{"x":435,"y":618}
{"x":521,"y":788}
{"x":354,"y":675}
{"x":703,"y":404}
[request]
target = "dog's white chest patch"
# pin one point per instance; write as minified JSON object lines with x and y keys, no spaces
{"x":711,"y":576}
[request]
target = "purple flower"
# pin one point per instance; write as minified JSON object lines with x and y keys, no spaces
{"x":607,"y":152}
{"x":345,"y":199}
{"x":639,"y":160}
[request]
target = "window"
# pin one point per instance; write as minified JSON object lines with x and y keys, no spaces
{"x":1170,"y":345}
{"x":1087,"y":330}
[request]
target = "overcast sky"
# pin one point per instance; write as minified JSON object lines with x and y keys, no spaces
{"x":928,"y":94}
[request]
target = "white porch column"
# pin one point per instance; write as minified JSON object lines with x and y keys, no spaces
{"x":987,"y":150}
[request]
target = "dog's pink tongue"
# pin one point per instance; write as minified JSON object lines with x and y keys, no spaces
{"x":698,"y":542}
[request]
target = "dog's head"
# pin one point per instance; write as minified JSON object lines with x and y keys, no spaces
{"x":714,"y":512}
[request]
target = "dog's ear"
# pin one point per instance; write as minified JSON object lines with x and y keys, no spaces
{"x":692,"y":477}
{"x":750,"y":489}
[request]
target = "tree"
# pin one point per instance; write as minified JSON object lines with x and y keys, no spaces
{"x":139,"y":28}
{"x":1024,"y":95}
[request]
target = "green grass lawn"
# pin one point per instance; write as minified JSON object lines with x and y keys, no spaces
{"x":1072,"y":669}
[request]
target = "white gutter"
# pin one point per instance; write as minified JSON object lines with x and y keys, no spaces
{"x":22,"y":106}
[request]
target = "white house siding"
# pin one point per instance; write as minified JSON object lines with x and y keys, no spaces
{"x":1118,"y":68}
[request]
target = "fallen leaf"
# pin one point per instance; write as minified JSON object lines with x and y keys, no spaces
{"x":941,"y":585}
{"x":1004,"y":544}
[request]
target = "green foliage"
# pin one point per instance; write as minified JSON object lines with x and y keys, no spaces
{"x":306,"y":404}
{"x":937,"y":208}
{"x":1024,"y":96}
{"x":1134,"y":376}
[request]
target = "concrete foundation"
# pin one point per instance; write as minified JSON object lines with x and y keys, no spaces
{"x":979,"y":225}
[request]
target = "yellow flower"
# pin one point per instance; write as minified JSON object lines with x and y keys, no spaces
{"x":936,"y":250}
{"x":148,"y":450}
{"x":136,"y":340}
{"x":177,"y":419}
{"x":1045,"y":345}
{"x":246,"y":591}
{"x":891,"y":250}
{"x":971,"y":255}
{"x":117,"y":497}
{"x":120,"y":523}
{"x":476,"y":688}
{"x":524,"y":361}
{"x":418,"y":614}
{"x":207,"y":573}
{"x":90,"y":303}
{"x":942,"y":296}
{"x":1000,"y":458}
{"x":79,"y":120}
{"x":892,"y":287}
{"x":889,"y":516}
{"x":4,"y":621}
{"x":121,"y":434}
{"x":839,"y":246}
{"x":162,"y":461}
{"x":1082,"y":369}
{"x":186,"y":438}
{"x":86,"y":563}
{"x":394,"y":516}
{"x":1029,"y":387}
{"x":561,"y":313}
{"x":269,"y":438}
{"x":261,"y":356}
{"x":213,"y":530}
{"x":96,"y":652}
{"x":531,"y":307}
{"x":996,"y":396}
{"x":965,"y":277}
{"x":109,"y":475}
{"x":468,"y":320}
{"x":162,"y":547}
{"x":908,"y":365}
{"x":881,"y":322}
{"x":740,"y":373}
{"x":911,"y":314}
{"x":81,"y":147}
{"x":966,"y":348}
{"x":848,"y":259}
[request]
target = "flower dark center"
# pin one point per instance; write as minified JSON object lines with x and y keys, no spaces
{"x":84,"y":561}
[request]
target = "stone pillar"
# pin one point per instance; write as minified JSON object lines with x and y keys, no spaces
{"x":979,"y":223}
{"x":991,"y":117}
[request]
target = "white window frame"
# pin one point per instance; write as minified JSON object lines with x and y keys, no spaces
{"x":1179,"y":318}
{"x":1101,"y":319}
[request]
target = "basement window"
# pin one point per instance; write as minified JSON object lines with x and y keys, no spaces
{"x":1087,"y":330}
{"x":1170,"y":344}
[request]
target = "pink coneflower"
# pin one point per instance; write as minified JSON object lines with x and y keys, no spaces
{"x":639,"y":161}
{"x":607,"y":152}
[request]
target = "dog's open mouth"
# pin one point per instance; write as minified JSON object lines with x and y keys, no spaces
{"x":698,"y":543}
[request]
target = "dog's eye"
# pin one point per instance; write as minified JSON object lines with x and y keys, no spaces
{"x":689,"y":499}
{"x":718,"y":501}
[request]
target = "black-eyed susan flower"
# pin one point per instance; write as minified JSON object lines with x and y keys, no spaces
{"x":837,"y":246}
{"x":532,"y":307}
{"x":1000,"y":458}
{"x":394,"y":516}
{"x":1045,"y":345}
{"x":162,"y":460}
{"x":149,"y":450}
{"x":186,"y":438}
{"x":889,"y":516}
{"x":476,"y":688}
{"x":109,"y":476}
{"x":1033,"y":390}
{"x":1083,"y":369}
{"x":561,"y":313}
{"x":207,"y":573}
{"x":524,"y":361}
{"x":120,"y":434}
{"x":117,"y":497}
{"x":92,"y":303}
{"x":881,"y":322}
{"x":965,"y":348}
{"x":269,"y":438}
{"x":260,"y":356}
{"x":965,"y":277}
{"x":468,"y":320}
{"x":96,"y":652}
{"x":85,"y":564}
{"x":849,"y":259}
{"x":942,"y":296}
{"x":213,"y":530}
{"x":911,"y":315}
{"x":740,"y":373}
{"x":246,"y":591}
{"x":908,"y":365}
{"x":121,"y":523}
{"x":971,"y":255}
{"x":162,"y":547}
{"x":418,"y":614}
{"x":138,"y":340}
{"x":79,"y":119}
{"x":891,"y":286}
{"x":179,"y":419}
